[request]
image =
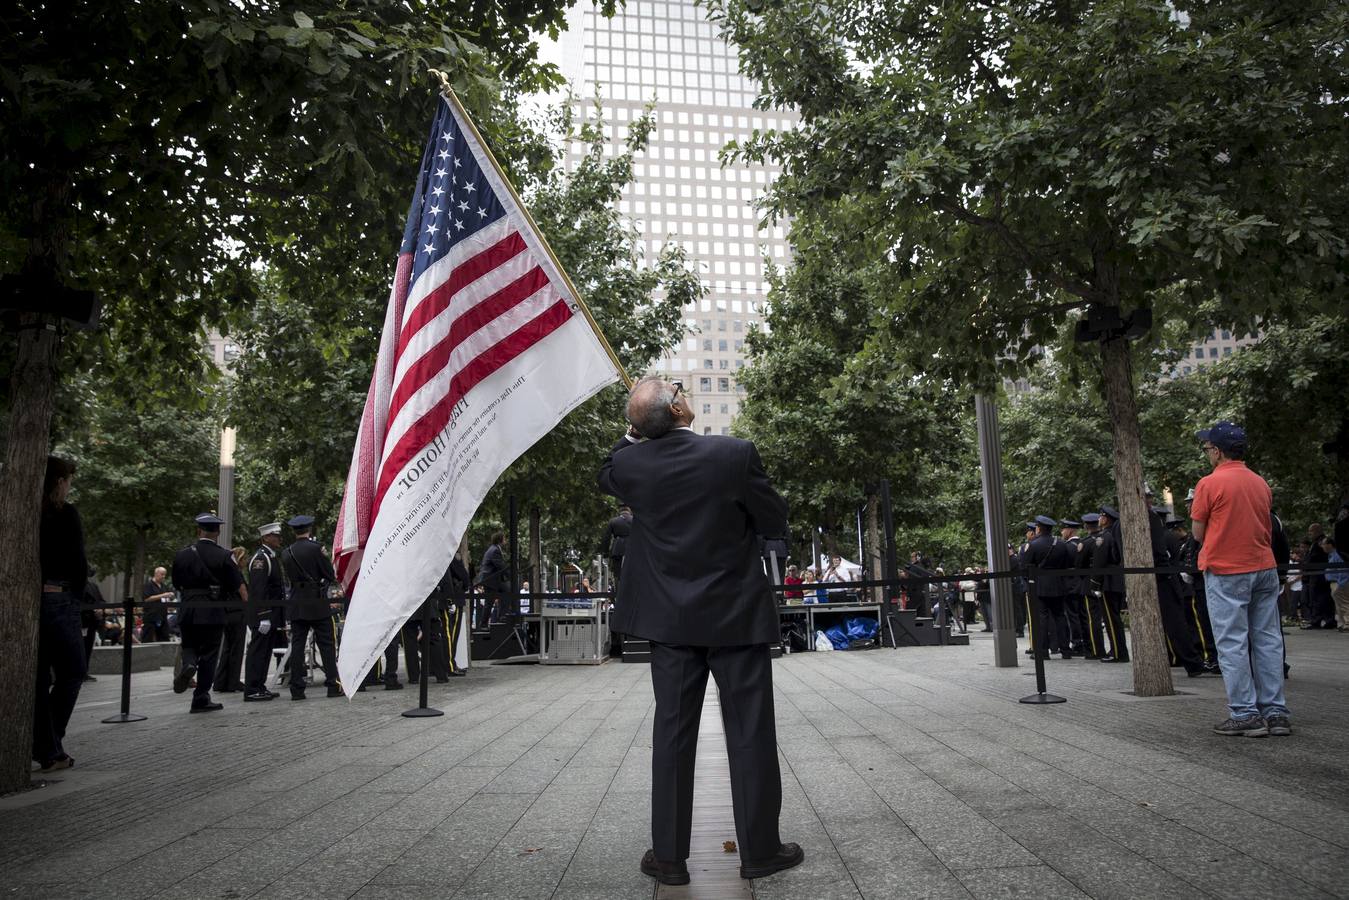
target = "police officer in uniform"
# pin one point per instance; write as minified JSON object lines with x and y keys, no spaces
{"x":451,"y":600}
{"x":205,"y":574}
{"x":1048,"y":554}
{"x":266,"y":612}
{"x":1109,"y":552}
{"x":1180,"y":637}
{"x":310,"y":574}
{"x":1072,"y":588}
{"x":1194,"y":580}
{"x":1093,"y":614}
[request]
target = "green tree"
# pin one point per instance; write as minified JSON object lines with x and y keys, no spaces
{"x":1017,"y":162}
{"x":156,"y":152}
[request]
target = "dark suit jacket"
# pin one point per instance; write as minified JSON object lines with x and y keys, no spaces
{"x":692,"y":573}
{"x":616,"y":536}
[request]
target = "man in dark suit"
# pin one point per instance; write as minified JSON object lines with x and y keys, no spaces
{"x":209,"y":580}
{"x":310,"y":574}
{"x":693,"y":585}
{"x":492,"y":578}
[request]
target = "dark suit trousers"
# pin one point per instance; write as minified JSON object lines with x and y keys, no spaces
{"x":744,"y":677}
{"x":325,"y":639}
{"x":257,"y":660}
{"x":201,"y":646}
{"x":231,"y":656}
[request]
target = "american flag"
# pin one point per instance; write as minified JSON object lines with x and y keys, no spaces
{"x":475,"y":293}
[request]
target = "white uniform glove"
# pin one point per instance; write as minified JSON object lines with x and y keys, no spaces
{"x":265,"y":626}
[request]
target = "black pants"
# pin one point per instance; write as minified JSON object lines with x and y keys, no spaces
{"x":1054,"y":626}
{"x":201,"y":647}
{"x":1197,"y":608}
{"x":258,"y":660}
{"x":744,"y":678}
{"x":231,"y":656}
{"x":1073,"y":612}
{"x":412,"y":648}
{"x":1093,"y":623}
{"x":325,"y":638}
{"x":451,"y":623}
{"x":1114,"y":624}
{"x":154,"y":628}
{"x":61,"y":667}
{"x":1180,"y":637}
{"x":1019,"y":612}
{"x":390,"y":673}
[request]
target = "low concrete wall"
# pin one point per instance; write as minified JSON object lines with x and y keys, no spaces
{"x":144,"y":658}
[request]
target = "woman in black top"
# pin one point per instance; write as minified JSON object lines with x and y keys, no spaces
{"x":61,"y":664}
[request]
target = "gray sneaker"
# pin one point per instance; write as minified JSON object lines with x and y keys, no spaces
{"x":1279,"y":726}
{"x":1251,"y":726}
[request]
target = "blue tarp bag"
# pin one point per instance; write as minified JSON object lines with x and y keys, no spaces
{"x":861,"y":628}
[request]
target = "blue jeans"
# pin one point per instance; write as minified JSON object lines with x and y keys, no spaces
{"x":1244,"y":610}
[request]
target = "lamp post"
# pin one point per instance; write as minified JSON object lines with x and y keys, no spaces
{"x":226,"y":501}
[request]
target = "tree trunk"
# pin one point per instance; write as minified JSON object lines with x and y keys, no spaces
{"x":32,"y":389}
{"x":1152,"y":669}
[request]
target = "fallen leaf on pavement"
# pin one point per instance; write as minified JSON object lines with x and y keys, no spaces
{"x":728,"y":846}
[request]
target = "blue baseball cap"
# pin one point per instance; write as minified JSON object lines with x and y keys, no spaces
{"x":1224,"y":435}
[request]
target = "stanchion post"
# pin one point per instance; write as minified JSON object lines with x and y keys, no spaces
{"x":1036,"y":643}
{"x":128,"y":626}
{"x":423,"y":711}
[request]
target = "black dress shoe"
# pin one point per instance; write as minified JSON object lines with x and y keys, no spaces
{"x":441,"y":679}
{"x":393,"y":685}
{"x":258,"y":698}
{"x":787,"y":856}
{"x":1107,"y":658}
{"x":335,"y":691}
{"x":664,"y":872}
{"x":207,"y":707}
{"x":184,"y":678}
{"x":296,"y":695}
{"x":458,"y":674}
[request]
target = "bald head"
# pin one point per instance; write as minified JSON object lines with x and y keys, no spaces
{"x":655,"y":407}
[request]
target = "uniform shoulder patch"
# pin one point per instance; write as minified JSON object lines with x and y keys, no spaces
{"x":1100,"y":541}
{"x":258,"y":564}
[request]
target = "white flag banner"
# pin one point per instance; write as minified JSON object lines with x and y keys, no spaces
{"x":485,"y":349}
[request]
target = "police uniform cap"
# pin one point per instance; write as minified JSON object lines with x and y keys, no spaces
{"x":1069,"y":523}
{"x":1147,"y":491}
{"x":300,"y":521}
{"x":1091,"y":517}
{"x":1189,"y":496}
{"x":1163,"y":511}
{"x":209,"y":520}
{"x":1045,"y":521}
{"x":269,"y":528}
{"x":1110,"y":511}
{"x":1173,"y":522}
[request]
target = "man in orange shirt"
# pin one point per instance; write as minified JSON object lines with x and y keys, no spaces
{"x":1231,"y":513}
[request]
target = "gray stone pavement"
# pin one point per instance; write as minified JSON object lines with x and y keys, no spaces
{"x":907,"y":773}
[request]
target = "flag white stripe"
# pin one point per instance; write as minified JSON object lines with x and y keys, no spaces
{"x":473,"y":293}
{"x":482,"y":340}
{"x":439,"y":272}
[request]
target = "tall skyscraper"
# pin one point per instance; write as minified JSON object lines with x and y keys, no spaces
{"x":666,"y":52}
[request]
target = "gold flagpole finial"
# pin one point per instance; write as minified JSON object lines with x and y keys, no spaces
{"x":443,"y":79}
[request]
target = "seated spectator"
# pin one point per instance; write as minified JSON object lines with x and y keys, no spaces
{"x":793,"y":576}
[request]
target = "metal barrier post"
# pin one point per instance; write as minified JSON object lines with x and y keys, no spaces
{"x":1037,"y":641}
{"x":128,"y":627}
{"x":424,"y":649}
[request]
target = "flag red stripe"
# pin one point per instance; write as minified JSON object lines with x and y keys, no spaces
{"x":434,"y":303}
{"x":424,"y":430}
{"x":426,"y":368}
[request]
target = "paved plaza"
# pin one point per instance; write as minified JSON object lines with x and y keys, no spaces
{"x":909,"y":773}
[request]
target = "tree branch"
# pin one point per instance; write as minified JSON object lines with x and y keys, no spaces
{"x":1038,"y":267}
